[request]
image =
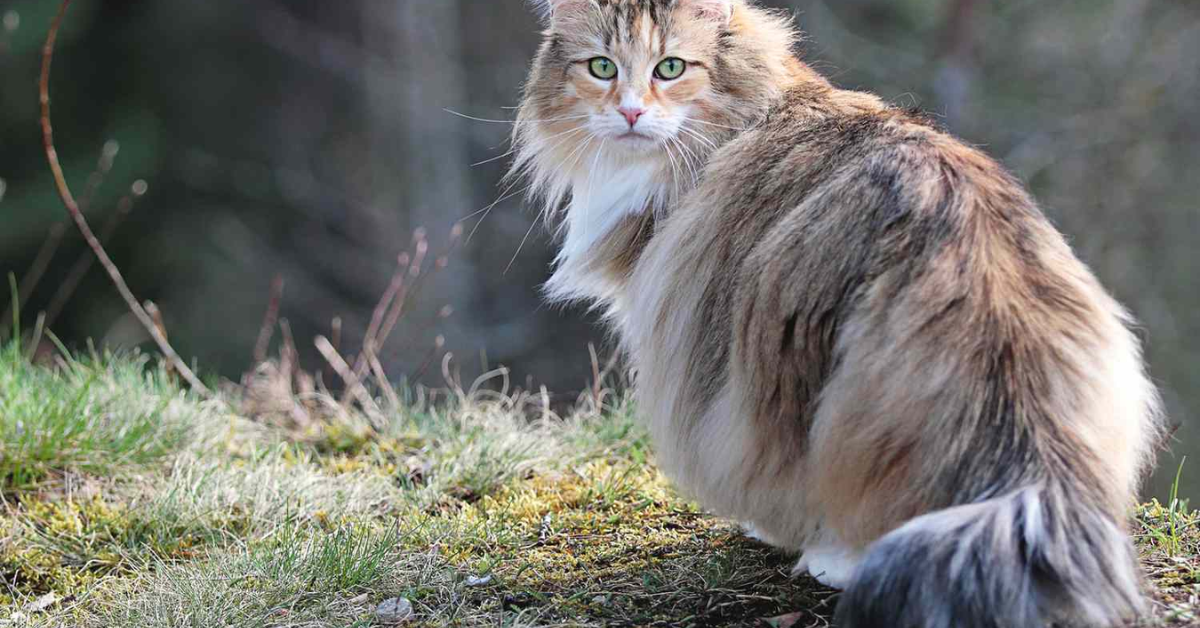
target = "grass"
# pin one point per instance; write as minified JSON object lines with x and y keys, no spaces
{"x":128,"y":503}
{"x":92,"y":415}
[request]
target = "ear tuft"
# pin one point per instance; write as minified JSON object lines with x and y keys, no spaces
{"x":719,"y":10}
{"x":547,"y":9}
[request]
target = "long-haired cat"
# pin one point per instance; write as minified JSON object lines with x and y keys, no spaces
{"x":849,"y":330}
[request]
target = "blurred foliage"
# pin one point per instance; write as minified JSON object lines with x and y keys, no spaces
{"x":309,"y":139}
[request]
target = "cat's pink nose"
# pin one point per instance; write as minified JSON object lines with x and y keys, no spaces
{"x":631,"y":114}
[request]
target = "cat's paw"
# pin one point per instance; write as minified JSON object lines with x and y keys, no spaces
{"x":752,"y":531}
{"x":832,"y":566}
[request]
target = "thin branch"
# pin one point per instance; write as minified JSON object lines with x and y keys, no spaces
{"x":419,"y":278}
{"x":50,"y":245}
{"x":353,"y":383}
{"x":270,"y":318}
{"x":385,"y":302}
{"x":64,"y":191}
{"x":80,"y":268}
{"x":381,"y":380}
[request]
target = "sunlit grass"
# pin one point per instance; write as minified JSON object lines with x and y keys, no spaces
{"x":478,"y":510}
{"x":89,"y":415}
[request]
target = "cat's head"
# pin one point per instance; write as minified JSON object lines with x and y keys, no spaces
{"x":657,"y":83}
{"x":632,"y":72}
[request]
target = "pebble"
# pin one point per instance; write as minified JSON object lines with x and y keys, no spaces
{"x":394,"y":611}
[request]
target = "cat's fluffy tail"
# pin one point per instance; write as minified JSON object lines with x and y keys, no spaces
{"x":1039,"y":556}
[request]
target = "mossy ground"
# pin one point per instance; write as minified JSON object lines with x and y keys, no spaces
{"x":480,"y":510}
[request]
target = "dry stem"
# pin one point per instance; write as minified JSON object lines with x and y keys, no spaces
{"x":353,"y":383}
{"x":64,"y":191}
{"x":270,"y":318}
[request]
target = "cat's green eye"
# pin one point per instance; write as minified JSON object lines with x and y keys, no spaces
{"x":670,"y":69}
{"x":603,"y":68}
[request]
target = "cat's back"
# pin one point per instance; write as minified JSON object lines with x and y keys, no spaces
{"x":827,"y":179}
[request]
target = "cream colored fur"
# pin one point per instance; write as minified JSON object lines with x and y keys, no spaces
{"x":841,"y":319}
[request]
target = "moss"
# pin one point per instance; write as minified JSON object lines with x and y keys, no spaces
{"x":63,"y":545}
{"x":59,"y":546}
{"x":611,"y":543}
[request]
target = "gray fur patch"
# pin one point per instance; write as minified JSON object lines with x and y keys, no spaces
{"x":1024,"y":560}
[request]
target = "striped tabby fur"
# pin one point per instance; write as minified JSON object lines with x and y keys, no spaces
{"x":849,"y":330}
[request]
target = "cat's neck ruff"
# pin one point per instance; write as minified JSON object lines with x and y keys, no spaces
{"x":602,"y":197}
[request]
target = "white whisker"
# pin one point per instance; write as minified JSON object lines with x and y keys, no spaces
{"x":487,"y":210}
{"x":674,"y":168}
{"x":519,"y":247}
{"x":496,"y":158}
{"x":699,"y":136}
{"x":687,"y":155}
{"x":591,"y":180}
{"x":463,"y":115}
{"x":722,"y":126}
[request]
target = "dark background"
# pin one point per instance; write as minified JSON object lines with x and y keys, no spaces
{"x":308,"y":139}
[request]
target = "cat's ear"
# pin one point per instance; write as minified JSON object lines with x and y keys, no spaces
{"x":718,"y":10}
{"x":548,"y":9}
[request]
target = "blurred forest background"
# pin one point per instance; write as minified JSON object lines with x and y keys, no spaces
{"x":309,"y":139}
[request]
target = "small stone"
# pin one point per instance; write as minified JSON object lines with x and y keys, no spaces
{"x":394,"y":611}
{"x":474,"y":581}
{"x":359,"y":600}
{"x":43,"y":603}
{"x":600,"y":600}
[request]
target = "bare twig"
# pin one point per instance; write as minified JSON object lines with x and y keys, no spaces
{"x":395,"y":287}
{"x":419,"y":277}
{"x":269,"y":319}
{"x":157,"y":317}
{"x":597,"y":378}
{"x":438,"y":344}
{"x":410,"y":276}
{"x":289,"y":356}
{"x":54,"y":237}
{"x":335,"y":332}
{"x":335,"y":339}
{"x":381,"y":380}
{"x":353,"y":383}
{"x":64,"y":191}
{"x":80,"y":268}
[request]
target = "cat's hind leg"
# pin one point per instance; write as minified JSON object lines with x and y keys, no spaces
{"x":831,"y":564}
{"x":754,"y":532}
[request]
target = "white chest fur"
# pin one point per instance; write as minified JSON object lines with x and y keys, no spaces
{"x":600,"y":199}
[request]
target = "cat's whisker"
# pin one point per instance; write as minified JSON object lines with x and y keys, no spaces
{"x":487,"y":210}
{"x":690,"y":160}
{"x":496,"y":158}
{"x":571,"y":160}
{"x":592,"y":179}
{"x":707,"y":123}
{"x":688,"y":156}
{"x":523,"y":240}
{"x":699,"y":136}
{"x":505,"y":195}
{"x":567,"y":132}
{"x":684,"y":165}
{"x":674,"y":167}
{"x":463,"y":115}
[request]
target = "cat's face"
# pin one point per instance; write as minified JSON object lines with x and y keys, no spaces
{"x":637,"y":76}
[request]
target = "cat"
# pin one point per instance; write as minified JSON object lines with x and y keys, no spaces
{"x":849,"y":330}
